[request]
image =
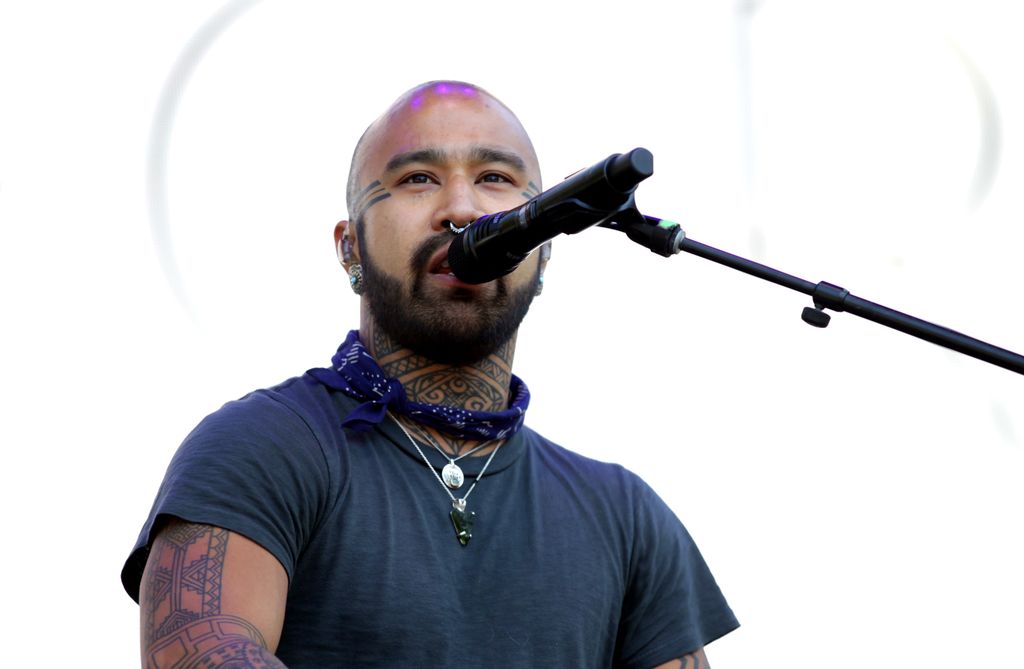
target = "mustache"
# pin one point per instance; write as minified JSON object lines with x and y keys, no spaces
{"x":421,"y":256}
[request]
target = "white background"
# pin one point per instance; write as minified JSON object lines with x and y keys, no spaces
{"x":170,"y":174}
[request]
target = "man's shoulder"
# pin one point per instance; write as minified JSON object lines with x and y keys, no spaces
{"x":295,"y":412}
{"x":301,"y":393}
{"x":571,"y":462}
{"x":299,"y":398}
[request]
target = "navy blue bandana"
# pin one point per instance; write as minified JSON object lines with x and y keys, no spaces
{"x":358,"y":375}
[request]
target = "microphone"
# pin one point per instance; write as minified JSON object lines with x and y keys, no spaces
{"x":494,"y":245}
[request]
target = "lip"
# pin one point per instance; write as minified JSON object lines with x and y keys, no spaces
{"x":438,"y":270}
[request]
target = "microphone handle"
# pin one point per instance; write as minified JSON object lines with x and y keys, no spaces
{"x":494,"y":245}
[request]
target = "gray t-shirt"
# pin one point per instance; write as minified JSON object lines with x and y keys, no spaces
{"x":573,"y":562}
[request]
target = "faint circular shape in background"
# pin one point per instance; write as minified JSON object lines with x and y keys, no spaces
{"x":160,"y":139}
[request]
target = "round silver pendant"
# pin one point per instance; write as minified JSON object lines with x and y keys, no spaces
{"x":452,"y":476}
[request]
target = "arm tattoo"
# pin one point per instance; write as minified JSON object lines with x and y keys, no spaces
{"x":531,"y":190}
{"x":183,"y":626}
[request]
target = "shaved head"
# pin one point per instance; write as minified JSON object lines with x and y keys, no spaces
{"x":412,"y":100}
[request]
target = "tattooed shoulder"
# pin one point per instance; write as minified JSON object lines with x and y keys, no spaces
{"x":183,"y":624}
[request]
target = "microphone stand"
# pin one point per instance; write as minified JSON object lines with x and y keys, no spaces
{"x":667,"y":238}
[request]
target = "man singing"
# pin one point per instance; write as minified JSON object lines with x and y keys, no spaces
{"x":392,"y":510}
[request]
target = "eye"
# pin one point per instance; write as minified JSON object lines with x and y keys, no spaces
{"x":418,"y":178}
{"x":494,"y":178}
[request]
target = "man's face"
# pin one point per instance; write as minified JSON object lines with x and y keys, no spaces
{"x":442,"y":156}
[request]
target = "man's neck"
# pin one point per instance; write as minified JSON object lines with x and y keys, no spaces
{"x":480,"y":386}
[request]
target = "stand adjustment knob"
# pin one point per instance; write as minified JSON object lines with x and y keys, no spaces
{"x":815,"y":316}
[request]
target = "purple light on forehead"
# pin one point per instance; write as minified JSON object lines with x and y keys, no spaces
{"x":419,"y":99}
{"x":447,"y":89}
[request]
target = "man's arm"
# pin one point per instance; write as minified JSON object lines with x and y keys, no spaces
{"x":210,"y":597}
{"x":694,"y":660}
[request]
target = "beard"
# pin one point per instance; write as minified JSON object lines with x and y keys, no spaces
{"x":459,"y":328}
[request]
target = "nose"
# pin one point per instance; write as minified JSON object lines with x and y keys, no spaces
{"x":459,"y":204}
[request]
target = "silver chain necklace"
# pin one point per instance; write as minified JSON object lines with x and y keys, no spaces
{"x":452,"y":475}
{"x":462,"y":519}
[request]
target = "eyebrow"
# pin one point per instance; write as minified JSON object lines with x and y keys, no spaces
{"x":438,"y":156}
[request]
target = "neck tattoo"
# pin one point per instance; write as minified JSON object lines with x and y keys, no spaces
{"x":356,"y":373}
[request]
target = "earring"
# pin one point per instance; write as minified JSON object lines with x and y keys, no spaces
{"x":540,"y":285}
{"x":355,"y":278}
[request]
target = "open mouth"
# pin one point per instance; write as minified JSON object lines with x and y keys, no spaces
{"x":439,"y":264}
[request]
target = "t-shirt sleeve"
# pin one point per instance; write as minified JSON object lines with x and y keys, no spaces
{"x":254,"y":467}
{"x":673,"y":605}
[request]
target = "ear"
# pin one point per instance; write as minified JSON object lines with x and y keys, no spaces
{"x":545,"y":255}
{"x":346,"y":244}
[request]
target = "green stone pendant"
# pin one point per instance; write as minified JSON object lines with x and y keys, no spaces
{"x":463,"y":521}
